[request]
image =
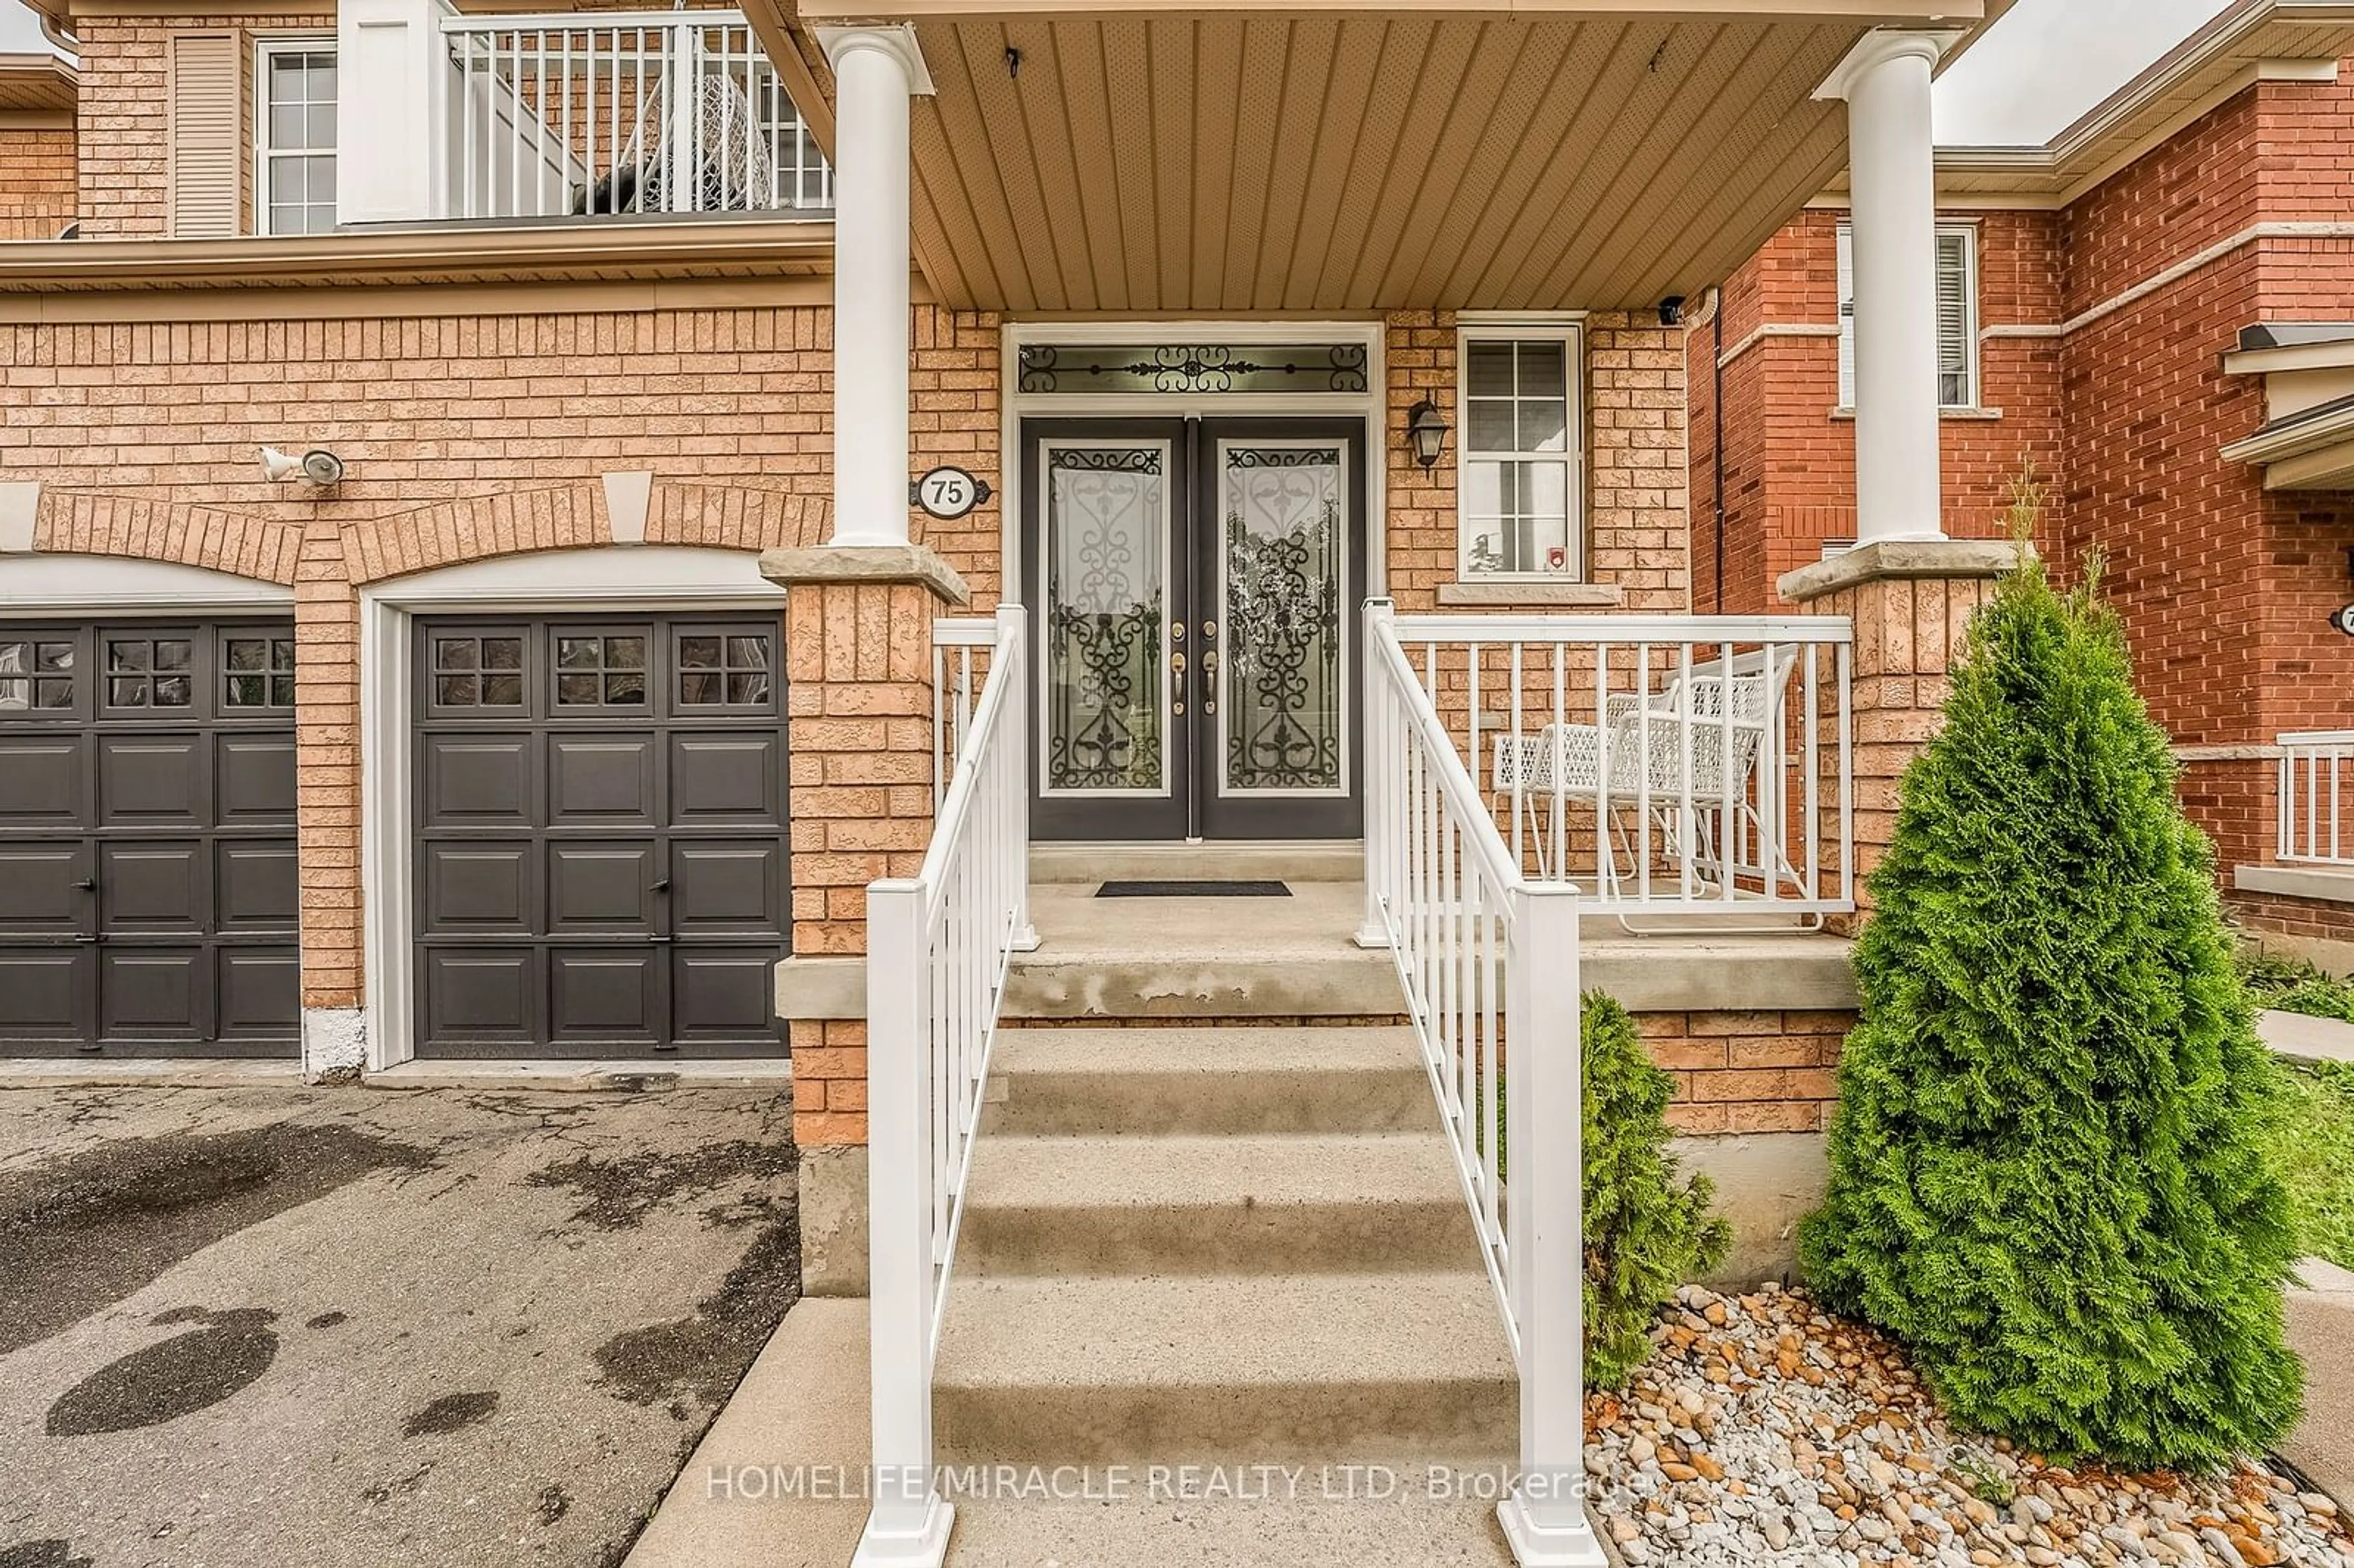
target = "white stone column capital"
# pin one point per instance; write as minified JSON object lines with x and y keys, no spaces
{"x":1880,"y":48}
{"x":895,"y":39}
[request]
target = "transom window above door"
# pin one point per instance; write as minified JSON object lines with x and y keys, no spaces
{"x":1519,"y":494}
{"x":1169,"y":369}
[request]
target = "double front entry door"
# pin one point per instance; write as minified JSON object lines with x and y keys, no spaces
{"x":1194,"y":586}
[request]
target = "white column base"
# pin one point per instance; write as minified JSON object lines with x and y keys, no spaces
{"x":335,"y":1043}
{"x":1539,"y":1538}
{"x":927,"y":1545}
{"x":1373,"y":938}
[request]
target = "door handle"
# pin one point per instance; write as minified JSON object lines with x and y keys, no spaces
{"x":1209,"y":679}
{"x":662,"y":886}
{"x":86,"y":885}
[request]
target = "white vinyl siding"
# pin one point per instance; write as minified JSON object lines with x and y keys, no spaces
{"x":1519,"y":488}
{"x":295,"y":137}
{"x":1957,"y":316}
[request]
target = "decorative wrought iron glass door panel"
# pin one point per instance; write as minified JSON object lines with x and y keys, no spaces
{"x":1195,"y":584}
{"x":1110,"y":760}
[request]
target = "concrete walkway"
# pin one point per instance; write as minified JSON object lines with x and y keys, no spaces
{"x":2294,"y":1035}
{"x":2321,"y":1327}
{"x":797,"y":1422}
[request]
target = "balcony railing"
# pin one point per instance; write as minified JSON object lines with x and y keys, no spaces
{"x":1668,"y":764}
{"x":572,"y":114}
{"x":2316,"y":797}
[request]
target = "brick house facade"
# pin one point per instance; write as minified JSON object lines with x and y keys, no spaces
{"x":2104,"y":316}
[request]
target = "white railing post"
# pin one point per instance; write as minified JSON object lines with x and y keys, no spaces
{"x":1381,"y":782}
{"x":1544,"y":1518}
{"x":910,"y":1521}
{"x":1011,"y":630}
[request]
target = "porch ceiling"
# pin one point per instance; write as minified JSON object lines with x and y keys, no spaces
{"x":1303,"y":162}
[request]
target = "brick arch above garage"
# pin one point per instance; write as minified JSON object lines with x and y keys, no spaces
{"x":87,"y":522}
{"x":589,"y":515}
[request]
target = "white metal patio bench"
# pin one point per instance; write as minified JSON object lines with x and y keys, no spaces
{"x":1698,"y":799}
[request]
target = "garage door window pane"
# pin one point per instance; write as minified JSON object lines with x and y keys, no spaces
{"x":36,"y":674}
{"x":149,"y":673}
{"x":715,"y":671}
{"x":478,"y":672}
{"x":608,"y":671}
{"x":259,"y":672}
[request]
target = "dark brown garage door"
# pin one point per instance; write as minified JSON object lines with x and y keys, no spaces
{"x":601,"y":838}
{"x":147,"y":864}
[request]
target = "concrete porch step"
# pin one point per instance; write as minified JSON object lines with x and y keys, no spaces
{"x":1299,"y":1526}
{"x":1394,"y":1367}
{"x":1181,"y":1080}
{"x":1284,"y":1203}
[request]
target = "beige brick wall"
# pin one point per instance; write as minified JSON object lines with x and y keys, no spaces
{"x":37,"y":192}
{"x":1636,"y":537}
{"x":1748,"y":1072}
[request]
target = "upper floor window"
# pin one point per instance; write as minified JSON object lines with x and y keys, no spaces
{"x":1957,"y":316}
{"x":294,"y":138}
{"x":1517,"y":477}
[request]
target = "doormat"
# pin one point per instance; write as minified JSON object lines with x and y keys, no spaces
{"x":1192,"y":890}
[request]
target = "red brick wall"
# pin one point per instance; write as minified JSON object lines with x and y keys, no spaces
{"x":36,"y":181}
{"x":2225,"y":588}
{"x":1789,"y":476}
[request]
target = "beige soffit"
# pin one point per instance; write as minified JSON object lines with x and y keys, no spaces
{"x":2255,"y":40}
{"x":632,"y":252}
{"x":35,"y":83}
{"x":1146,"y":159}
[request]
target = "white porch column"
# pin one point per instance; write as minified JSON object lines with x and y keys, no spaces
{"x":875,"y":70}
{"x":1900,"y":492}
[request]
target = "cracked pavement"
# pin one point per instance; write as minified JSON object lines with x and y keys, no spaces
{"x":355,"y":1326}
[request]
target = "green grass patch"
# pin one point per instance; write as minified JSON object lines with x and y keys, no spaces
{"x":2314,"y":1140}
{"x":2285,"y":984}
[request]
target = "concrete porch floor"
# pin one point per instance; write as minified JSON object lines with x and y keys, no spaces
{"x":1297,"y":957}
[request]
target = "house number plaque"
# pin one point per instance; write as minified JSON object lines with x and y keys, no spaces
{"x":949,"y":492}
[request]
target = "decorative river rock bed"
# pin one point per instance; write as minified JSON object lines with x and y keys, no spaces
{"x":1766,"y":1431}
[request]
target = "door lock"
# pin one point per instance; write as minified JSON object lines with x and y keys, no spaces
{"x":1209,"y":629}
{"x":1177,"y":663}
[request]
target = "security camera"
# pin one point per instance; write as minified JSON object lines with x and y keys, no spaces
{"x":1671,"y":311}
{"x":2342,"y":619}
{"x":319,"y":466}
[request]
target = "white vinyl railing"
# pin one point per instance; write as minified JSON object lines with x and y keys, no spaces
{"x":593,"y":113}
{"x":2317,"y":797}
{"x":1487,"y":957}
{"x":961,"y":646}
{"x":937,"y":950}
{"x":1674,"y":765}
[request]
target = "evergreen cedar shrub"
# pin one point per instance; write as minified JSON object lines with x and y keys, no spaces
{"x":1648,"y":1229}
{"x":2049,"y":1167}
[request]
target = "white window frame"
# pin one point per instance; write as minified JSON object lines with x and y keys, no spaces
{"x":1570,"y":333}
{"x":1973,"y":391}
{"x":264,"y":51}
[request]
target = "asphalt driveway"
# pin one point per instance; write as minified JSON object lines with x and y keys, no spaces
{"x":321,"y":1328}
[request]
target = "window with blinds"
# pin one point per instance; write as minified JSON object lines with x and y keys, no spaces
{"x":1957,"y":316}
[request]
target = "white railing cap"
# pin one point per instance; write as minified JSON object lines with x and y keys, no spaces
{"x":587,"y":21}
{"x":1701,"y":629}
{"x":2317,"y":739}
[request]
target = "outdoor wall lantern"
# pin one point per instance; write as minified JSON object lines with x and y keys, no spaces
{"x":1427,"y":430}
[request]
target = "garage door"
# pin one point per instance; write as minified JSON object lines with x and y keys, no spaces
{"x":147,"y":861}
{"x":600,"y":836}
